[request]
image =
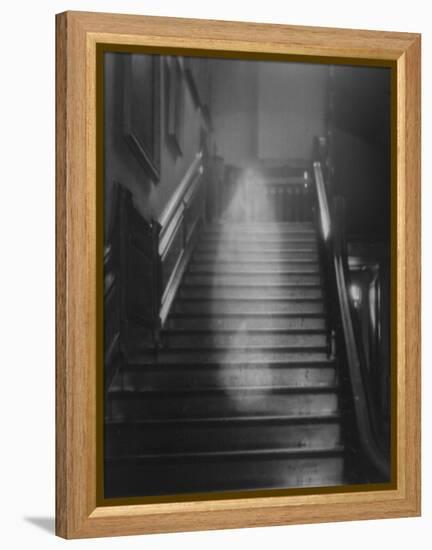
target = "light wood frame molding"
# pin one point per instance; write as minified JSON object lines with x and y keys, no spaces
{"x":78,"y":513}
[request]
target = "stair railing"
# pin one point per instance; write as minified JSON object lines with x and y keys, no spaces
{"x":341,"y":328}
{"x":144,"y":263}
{"x":180,"y":222}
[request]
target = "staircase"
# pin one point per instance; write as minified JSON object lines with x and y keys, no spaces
{"x":242,"y":394}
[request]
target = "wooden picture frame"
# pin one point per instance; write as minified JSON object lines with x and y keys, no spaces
{"x":79,"y":265}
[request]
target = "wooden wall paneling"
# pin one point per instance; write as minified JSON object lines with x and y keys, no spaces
{"x":141,"y":106}
{"x":174,"y":83}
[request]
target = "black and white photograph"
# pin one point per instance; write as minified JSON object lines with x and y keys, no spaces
{"x":247,"y":275}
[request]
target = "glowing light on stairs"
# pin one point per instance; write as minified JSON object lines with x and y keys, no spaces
{"x":237,"y":228}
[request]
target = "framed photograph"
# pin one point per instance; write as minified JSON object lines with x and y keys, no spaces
{"x":238,"y":275}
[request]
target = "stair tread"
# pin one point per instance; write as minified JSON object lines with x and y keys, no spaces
{"x":270,"y":305}
{"x":323,"y":388}
{"x":299,"y":360}
{"x":252,"y":299}
{"x":226,"y":271}
{"x":259,"y":223}
{"x":235,"y":364}
{"x":218,"y":330}
{"x":233,"y":232}
{"x":252,"y":285}
{"x":247,"y":348}
{"x":326,"y":363}
{"x":223,"y":293}
{"x":288,"y":239}
{"x":305,"y":280}
{"x":260,"y":419}
{"x":202,"y":249}
{"x":287,"y":235}
{"x":214,"y":323}
{"x":264,"y":225}
{"x":239,"y":256}
{"x":212,"y":247}
{"x":240,"y":315}
{"x":285,"y":452}
{"x":241,"y":260}
{"x":240,"y":229}
{"x":254,"y":272}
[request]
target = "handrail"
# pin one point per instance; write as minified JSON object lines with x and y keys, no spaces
{"x":170,"y":209}
{"x":145,"y":261}
{"x":363,"y":415}
{"x":178,"y":223}
{"x":322,"y":201}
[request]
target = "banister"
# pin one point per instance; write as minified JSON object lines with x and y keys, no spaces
{"x":144,"y":260}
{"x":195,"y":168}
{"x":322,"y":201}
{"x":332,"y":237}
{"x":178,"y":222}
{"x":362,"y":413}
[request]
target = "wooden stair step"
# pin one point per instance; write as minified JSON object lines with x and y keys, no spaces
{"x":276,"y":238}
{"x":214,"y":375}
{"x":301,"y":280}
{"x":249,"y":291}
{"x":213,"y":245}
{"x":223,"y":472}
{"x":240,"y":263}
{"x":261,"y":356}
{"x":231,"y":228}
{"x":231,"y":255}
{"x":243,"y":338}
{"x":196,"y":402}
{"x":222,"y":434}
{"x":230,"y":268}
{"x":246,"y":322}
{"x":243,"y":306}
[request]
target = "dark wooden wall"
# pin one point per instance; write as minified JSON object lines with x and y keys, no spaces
{"x":156,"y":121}
{"x":174,"y":135}
{"x":358,"y":122}
{"x":358,"y":159}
